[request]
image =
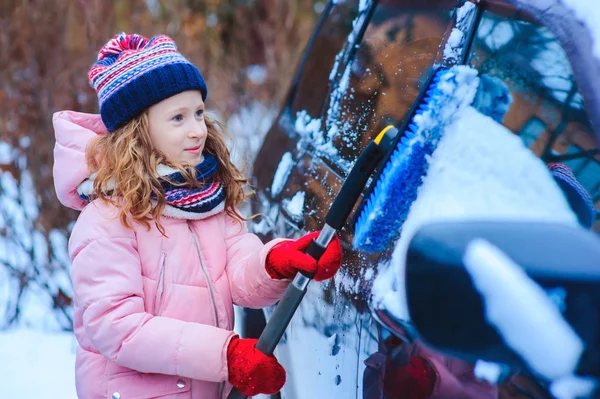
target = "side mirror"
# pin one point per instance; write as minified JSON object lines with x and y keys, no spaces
{"x":522,"y":294}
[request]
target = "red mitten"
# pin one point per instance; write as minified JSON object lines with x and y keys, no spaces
{"x":251,"y":371}
{"x":413,"y":381}
{"x":287,"y":258}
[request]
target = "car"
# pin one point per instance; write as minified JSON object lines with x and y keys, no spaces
{"x":362,"y":70}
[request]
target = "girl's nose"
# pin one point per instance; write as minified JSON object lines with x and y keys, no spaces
{"x":196,"y":132}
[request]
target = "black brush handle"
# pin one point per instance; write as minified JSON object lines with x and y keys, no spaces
{"x":279,"y":320}
{"x":358,"y":176}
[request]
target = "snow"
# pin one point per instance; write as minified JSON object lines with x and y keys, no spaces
{"x":558,"y":296}
{"x":25,"y":142}
{"x":363,"y":5}
{"x":480,"y":171}
{"x":487,"y":371}
{"x":340,"y":86}
{"x":248,"y":126}
{"x":310,"y":132}
{"x":256,"y":73}
{"x":553,"y":65}
{"x":350,"y":41}
{"x":454,"y":45}
{"x":35,"y":302}
{"x":25,"y":255}
{"x":522,"y":313}
{"x":457,"y":89}
{"x":282,"y":173}
{"x":346,"y":283}
{"x":388,"y":291}
{"x":29,"y":196}
{"x":573,"y":387}
{"x":295,"y":205}
{"x":495,"y":33}
{"x":331,"y":339}
{"x":58,"y":242}
{"x":587,"y":11}
{"x":10,"y":188}
{"x":37,"y":364}
{"x":308,"y":128}
{"x":336,"y":96}
{"x":6,"y":155}
{"x":360,"y":19}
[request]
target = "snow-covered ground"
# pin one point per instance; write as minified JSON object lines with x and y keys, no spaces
{"x":37,"y":364}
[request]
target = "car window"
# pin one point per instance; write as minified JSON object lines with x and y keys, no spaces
{"x":547,"y":110}
{"x":312,"y":86}
{"x":385,"y":76}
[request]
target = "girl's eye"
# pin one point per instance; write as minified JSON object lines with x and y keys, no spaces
{"x":178,"y":118}
{"x":199,"y":113}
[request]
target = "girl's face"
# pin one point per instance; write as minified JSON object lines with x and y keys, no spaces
{"x":177,"y":127}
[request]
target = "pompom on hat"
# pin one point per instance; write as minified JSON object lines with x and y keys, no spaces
{"x":134,"y":72}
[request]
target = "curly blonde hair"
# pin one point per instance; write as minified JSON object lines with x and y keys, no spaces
{"x":125,"y":161}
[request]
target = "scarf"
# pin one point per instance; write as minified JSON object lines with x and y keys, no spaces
{"x":182,"y":202}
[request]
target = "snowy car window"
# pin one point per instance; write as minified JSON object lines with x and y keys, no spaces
{"x":547,"y":110}
{"x":385,"y":76}
{"x":313,"y":85}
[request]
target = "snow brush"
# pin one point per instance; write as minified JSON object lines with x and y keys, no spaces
{"x":445,"y":92}
{"x":352,"y":188}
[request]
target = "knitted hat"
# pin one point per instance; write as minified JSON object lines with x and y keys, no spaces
{"x":577,"y":196}
{"x":134,"y":72}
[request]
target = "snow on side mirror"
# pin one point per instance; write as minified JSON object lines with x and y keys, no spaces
{"x":521,"y":294}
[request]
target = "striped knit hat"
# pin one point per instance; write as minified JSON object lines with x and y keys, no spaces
{"x":134,"y":72}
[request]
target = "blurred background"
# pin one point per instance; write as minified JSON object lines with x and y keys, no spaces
{"x":247,"y":51}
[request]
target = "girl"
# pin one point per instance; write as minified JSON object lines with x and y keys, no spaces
{"x":159,"y":252}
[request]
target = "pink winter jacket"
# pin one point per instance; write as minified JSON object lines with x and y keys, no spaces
{"x":153,"y":315}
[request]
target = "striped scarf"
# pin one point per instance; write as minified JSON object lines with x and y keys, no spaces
{"x":183,"y":202}
{"x":194,"y":203}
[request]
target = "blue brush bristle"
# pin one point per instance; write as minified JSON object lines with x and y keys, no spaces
{"x":396,"y":188}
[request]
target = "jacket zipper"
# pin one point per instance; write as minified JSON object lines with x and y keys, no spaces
{"x":210,"y":290}
{"x":206,"y":276}
{"x":160,"y":289}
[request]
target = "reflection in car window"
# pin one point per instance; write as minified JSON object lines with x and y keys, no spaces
{"x":397,"y":49}
{"x":532,"y":130}
{"x":547,"y":111}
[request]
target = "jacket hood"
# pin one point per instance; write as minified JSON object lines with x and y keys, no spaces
{"x":73,"y":132}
